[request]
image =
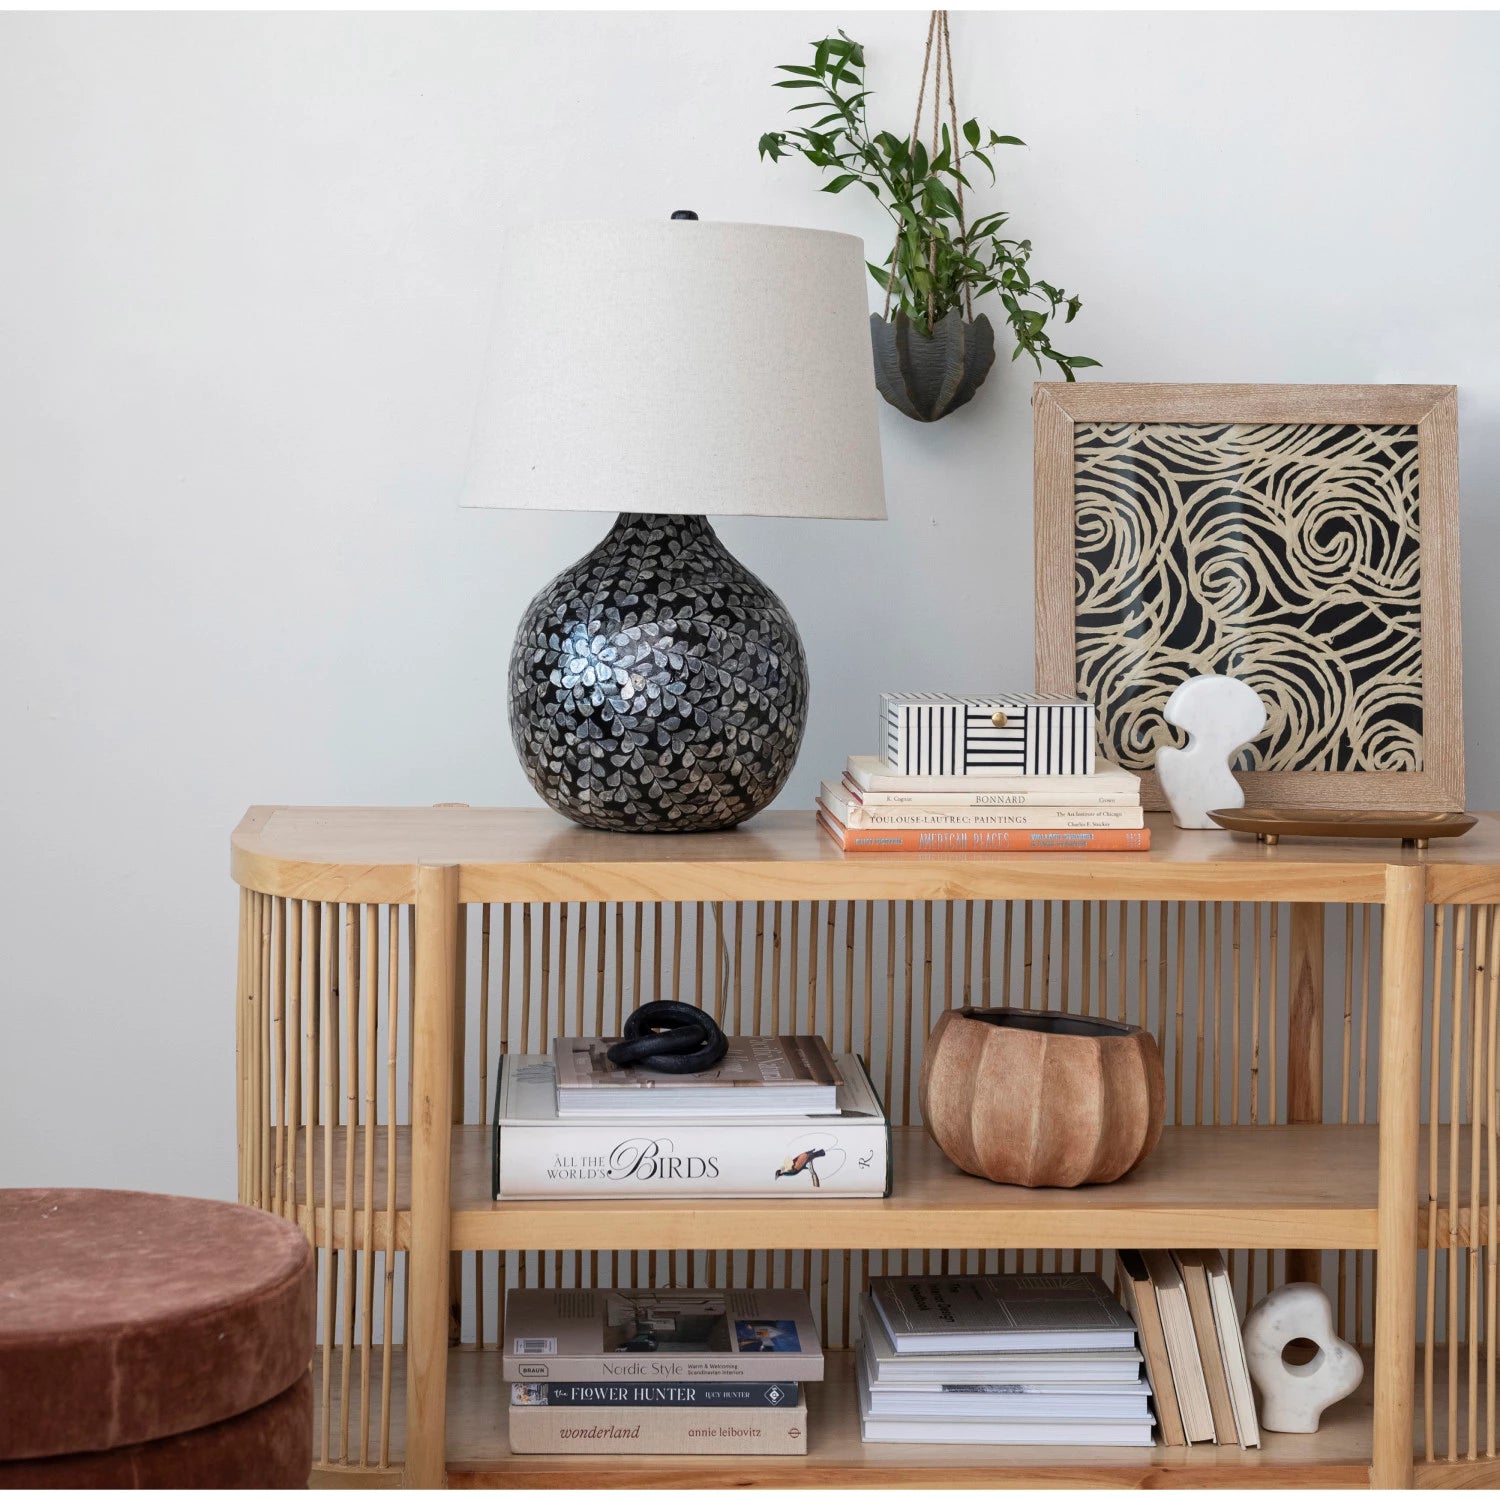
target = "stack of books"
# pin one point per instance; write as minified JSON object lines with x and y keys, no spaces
{"x":999,"y":1359}
{"x":778,"y":1117}
{"x":1195,"y":1355}
{"x":994,"y":774}
{"x":624,"y":1371}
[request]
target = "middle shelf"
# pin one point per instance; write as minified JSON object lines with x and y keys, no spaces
{"x":1205,"y":1186}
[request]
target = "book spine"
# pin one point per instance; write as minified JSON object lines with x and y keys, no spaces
{"x":856,"y":814}
{"x":984,"y":840}
{"x":941,"y":801}
{"x":536,"y":1365}
{"x":810,"y":1159}
{"x":778,"y":1394}
{"x":634,"y":1429}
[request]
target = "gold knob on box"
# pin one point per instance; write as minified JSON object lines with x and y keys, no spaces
{"x":998,"y":718}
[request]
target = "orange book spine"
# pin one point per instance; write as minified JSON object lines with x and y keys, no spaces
{"x":983,"y":840}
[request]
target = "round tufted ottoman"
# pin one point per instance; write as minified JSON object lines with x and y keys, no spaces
{"x":148,"y":1341}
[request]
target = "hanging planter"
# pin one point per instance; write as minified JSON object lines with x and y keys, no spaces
{"x":931,"y":352}
{"x":927,"y":375}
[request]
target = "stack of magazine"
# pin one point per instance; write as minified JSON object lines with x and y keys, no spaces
{"x":659,"y":1371}
{"x":778,"y":1117}
{"x":1190,"y":1335}
{"x":999,"y":1359}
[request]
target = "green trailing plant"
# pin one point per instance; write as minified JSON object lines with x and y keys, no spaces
{"x":941,"y":259}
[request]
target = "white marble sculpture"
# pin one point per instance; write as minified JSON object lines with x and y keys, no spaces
{"x":1294,"y":1397}
{"x":1219,"y":714}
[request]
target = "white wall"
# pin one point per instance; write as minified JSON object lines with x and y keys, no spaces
{"x":245,"y":273}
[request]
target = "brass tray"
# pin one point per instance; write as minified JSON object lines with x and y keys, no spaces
{"x":1270,"y":824}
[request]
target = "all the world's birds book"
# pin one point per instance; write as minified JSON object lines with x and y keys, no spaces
{"x":784,"y":1156}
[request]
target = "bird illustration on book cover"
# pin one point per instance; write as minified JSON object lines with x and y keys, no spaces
{"x":807,"y":1157}
{"x":802,"y":1162}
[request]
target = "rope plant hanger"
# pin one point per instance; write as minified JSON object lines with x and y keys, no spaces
{"x":931,"y":352}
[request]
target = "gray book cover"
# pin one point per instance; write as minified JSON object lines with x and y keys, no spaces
{"x":1043,"y":1311}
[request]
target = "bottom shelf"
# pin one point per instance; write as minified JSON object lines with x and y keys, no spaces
{"x":479,"y":1456}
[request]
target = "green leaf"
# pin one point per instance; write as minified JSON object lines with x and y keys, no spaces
{"x":770,"y":145}
{"x":982,"y":157}
{"x":1074,"y":303}
{"x":1082,"y":362}
{"x":798,"y":68}
{"x":797,"y":83}
{"x":1005,"y":140}
{"x":941,"y":199}
{"x":840,"y":183}
{"x":971,"y":132}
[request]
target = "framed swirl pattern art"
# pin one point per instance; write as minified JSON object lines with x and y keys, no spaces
{"x":1301,"y":537}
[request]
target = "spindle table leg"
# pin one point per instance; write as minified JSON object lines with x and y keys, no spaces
{"x":1400,"y":1126}
{"x":431,"y":1144}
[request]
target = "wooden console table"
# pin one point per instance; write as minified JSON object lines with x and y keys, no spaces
{"x":387,"y":957}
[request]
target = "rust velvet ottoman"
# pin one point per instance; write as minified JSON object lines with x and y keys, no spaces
{"x":149,"y":1341}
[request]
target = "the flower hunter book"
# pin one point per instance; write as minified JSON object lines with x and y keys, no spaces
{"x":538,"y":1155}
{"x":660,"y":1334}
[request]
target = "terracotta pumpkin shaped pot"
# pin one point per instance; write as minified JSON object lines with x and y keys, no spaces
{"x":1040,"y":1098}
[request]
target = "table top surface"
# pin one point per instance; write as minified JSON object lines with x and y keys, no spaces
{"x":378,"y":849}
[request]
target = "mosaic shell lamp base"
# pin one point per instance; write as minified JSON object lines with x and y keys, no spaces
{"x":657,"y":685}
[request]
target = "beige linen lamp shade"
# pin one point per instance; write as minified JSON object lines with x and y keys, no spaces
{"x":679,"y":367}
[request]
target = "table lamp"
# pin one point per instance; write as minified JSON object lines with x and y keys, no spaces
{"x":671,"y":371}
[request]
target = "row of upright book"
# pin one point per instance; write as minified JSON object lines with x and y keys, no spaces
{"x":974,"y":775}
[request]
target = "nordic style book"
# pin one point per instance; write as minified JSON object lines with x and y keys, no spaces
{"x":666,"y":1334}
{"x":539,"y":1155}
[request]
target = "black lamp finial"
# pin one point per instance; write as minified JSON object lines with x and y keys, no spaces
{"x":684,"y":213}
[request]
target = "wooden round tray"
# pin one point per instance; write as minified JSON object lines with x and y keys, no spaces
{"x":1270,"y":824}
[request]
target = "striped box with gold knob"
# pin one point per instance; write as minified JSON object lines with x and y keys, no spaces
{"x":1020,"y":734}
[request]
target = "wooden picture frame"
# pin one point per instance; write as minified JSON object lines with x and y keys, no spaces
{"x":1391,"y":660}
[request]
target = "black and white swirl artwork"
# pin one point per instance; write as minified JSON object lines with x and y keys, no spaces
{"x":1286,"y":555}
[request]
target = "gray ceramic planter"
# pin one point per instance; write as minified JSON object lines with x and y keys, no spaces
{"x":927,"y":375}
